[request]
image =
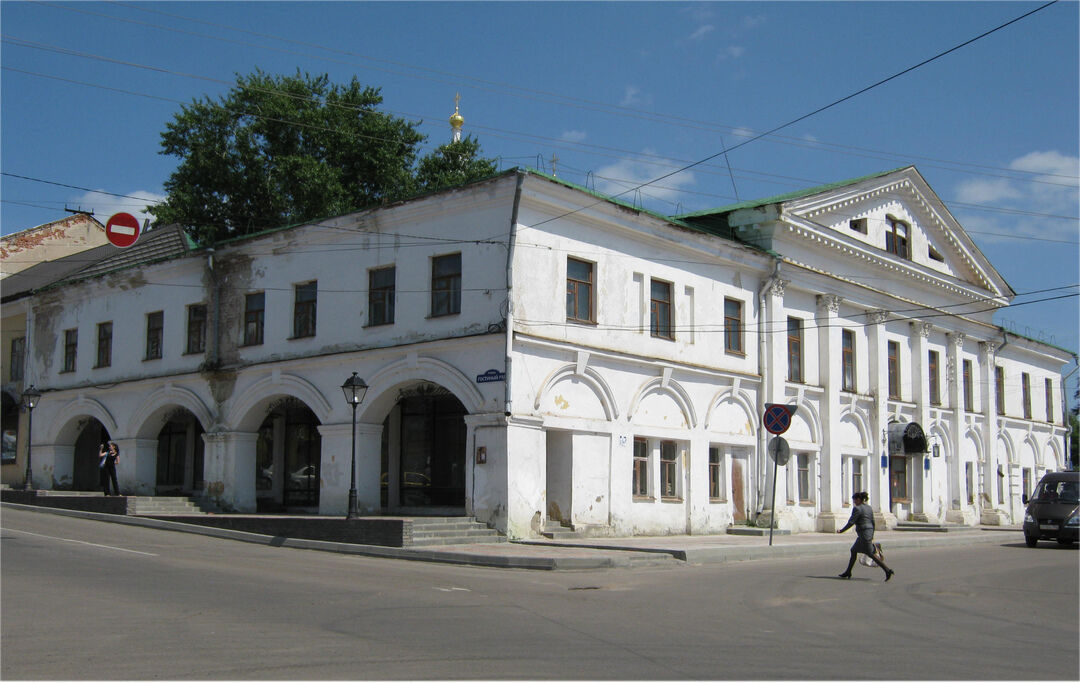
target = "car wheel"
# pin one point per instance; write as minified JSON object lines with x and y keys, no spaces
{"x":1031,"y":541}
{"x":1064,"y":541}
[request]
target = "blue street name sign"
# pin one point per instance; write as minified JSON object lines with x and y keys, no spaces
{"x":491,"y":375}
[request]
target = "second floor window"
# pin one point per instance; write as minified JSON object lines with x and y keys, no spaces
{"x":847,"y":367}
{"x":660,"y":324}
{"x":935,"y":378}
{"x":894,"y":370}
{"x":733,"y":326}
{"x":196,"y":329}
{"x":794,"y":350}
{"x":71,"y":349}
{"x":104,"y":345}
{"x":1025,"y":387}
{"x":1049,"y":400}
{"x":304,"y":308}
{"x":155,"y":334}
{"x":999,"y":388}
{"x":579,"y":290}
{"x":969,"y":391}
{"x":254,"y":318}
{"x":897,"y":237}
{"x":445,"y":285}
{"x":381,"y":290}
{"x":17,"y":359}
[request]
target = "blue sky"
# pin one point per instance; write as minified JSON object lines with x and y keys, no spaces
{"x":621,"y":93}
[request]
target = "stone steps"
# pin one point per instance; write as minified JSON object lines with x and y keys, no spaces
{"x":153,"y":506}
{"x":452,"y":531}
{"x":932,"y":526}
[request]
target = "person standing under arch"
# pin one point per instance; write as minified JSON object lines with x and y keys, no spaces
{"x":109,"y":453}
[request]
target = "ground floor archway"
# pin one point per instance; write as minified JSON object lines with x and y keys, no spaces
{"x":423,"y":452}
{"x":287,"y":456}
{"x":85,"y":474}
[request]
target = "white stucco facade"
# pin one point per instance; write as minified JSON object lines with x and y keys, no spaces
{"x":588,"y":367}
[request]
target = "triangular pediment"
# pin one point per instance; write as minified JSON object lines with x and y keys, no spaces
{"x":894,"y":219}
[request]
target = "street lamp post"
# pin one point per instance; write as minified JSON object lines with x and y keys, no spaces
{"x":29,"y":400}
{"x":354,"y":389}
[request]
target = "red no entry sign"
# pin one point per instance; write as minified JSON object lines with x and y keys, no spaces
{"x":777,"y":417}
{"x":122,"y":229}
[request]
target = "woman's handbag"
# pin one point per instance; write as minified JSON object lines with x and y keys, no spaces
{"x":865,"y":560}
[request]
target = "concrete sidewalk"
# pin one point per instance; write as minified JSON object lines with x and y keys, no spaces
{"x":592,"y":553}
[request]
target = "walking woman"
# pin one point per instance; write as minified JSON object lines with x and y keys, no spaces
{"x":109,"y":454}
{"x":862,"y":518}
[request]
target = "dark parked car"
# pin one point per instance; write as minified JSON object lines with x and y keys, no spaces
{"x":1052,"y":509}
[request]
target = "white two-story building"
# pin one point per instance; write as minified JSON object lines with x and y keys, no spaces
{"x":537,"y":354}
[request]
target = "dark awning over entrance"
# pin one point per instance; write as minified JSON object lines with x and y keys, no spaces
{"x":907,"y":438}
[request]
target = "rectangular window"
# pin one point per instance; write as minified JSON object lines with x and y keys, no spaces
{"x":196,"y":329}
{"x":716,"y":474}
{"x":641,"y":468}
{"x":579,"y":290}
{"x":381,"y":294}
{"x":894,"y":370}
{"x":445,"y":285}
{"x":17,"y":359}
{"x":669,"y":469}
{"x":1025,"y":475}
{"x":1049,"y":400}
{"x":733,"y":326}
{"x":71,"y":349}
{"x":803,"y":476}
{"x":155,"y":335}
{"x":1025,"y":387}
{"x":969,"y":390}
{"x":305,"y":302}
{"x":660,"y":323}
{"x":254,"y":318}
{"x":897,"y":235}
{"x":104,"y":345}
{"x":969,"y":479}
{"x":999,"y":388}
{"x":857,"y":478}
{"x":847,"y":369}
{"x":935,"y":378}
{"x":858,"y":225}
{"x":794,"y":350}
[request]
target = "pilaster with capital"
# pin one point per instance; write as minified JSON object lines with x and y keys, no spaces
{"x":954,"y":467}
{"x":830,"y":363}
{"x":987,"y":470}
{"x":878,"y":479}
{"x":920,"y":388}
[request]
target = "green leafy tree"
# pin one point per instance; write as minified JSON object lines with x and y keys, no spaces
{"x":278,"y":150}
{"x":453,"y":164}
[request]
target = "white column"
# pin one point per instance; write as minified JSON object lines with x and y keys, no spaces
{"x":877,"y":477}
{"x":229,"y":469}
{"x":336,"y":464}
{"x":954,"y":466}
{"x":920,"y":388}
{"x":511,"y":499}
{"x":830,"y":357}
{"x":775,"y":387}
{"x":987,"y":497}
{"x":51,"y":464}
{"x":136,"y":471}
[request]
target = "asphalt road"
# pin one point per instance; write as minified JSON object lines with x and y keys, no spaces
{"x":81,"y":599}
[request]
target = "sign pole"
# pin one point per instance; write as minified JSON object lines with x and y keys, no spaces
{"x":772,"y":511}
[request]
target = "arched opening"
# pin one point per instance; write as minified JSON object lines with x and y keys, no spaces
{"x":9,"y":422}
{"x":287,"y":455}
{"x":85,"y":475}
{"x":423,"y":452}
{"x":179,"y":454}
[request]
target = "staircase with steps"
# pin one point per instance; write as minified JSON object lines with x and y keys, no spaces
{"x":555,"y":530}
{"x":932,"y":526}
{"x":451,"y":531}
{"x":153,"y":506}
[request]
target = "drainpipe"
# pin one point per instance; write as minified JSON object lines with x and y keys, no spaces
{"x":507,"y":395}
{"x":215,"y":297}
{"x":762,"y":367}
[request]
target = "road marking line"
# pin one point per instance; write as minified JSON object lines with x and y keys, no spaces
{"x":72,"y":540}
{"x":451,"y":589}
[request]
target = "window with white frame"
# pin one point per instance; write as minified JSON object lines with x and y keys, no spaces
{"x":804,"y":477}
{"x":641,"y":468}
{"x":854,"y":477}
{"x":717,"y":469}
{"x":669,"y":470}
{"x":969,"y":481}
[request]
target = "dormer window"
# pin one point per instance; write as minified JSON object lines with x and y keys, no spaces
{"x":897,"y":237}
{"x":858,"y":225}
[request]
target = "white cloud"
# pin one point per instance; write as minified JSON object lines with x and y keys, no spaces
{"x":626,"y":174}
{"x":1047,"y":184}
{"x":573,"y":136}
{"x":632,"y":96}
{"x":104,"y":205}
{"x":731,"y":52}
{"x":701,"y":32}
